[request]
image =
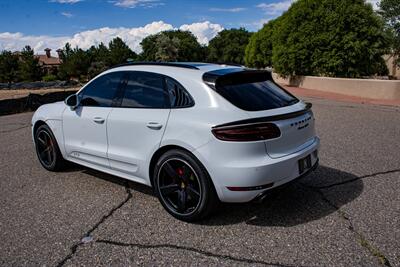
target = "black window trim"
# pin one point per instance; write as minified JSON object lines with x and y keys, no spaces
{"x":192,"y":103}
{"x":117,"y":99}
{"x":165,"y":89}
{"x":120,"y":86}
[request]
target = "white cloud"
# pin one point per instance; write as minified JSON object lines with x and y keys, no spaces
{"x":233,"y":10}
{"x":67,"y":14}
{"x":16,"y":41}
{"x":276,"y":8}
{"x":132,"y":36}
{"x":66,"y":1}
{"x":374,"y":3}
{"x":136,"y":3}
{"x":204,"y":31}
{"x":260,"y":23}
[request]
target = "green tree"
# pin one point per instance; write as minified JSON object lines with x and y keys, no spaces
{"x":75,"y":63}
{"x":81,"y":64}
{"x":259,"y":50}
{"x":149,"y":48}
{"x":390,"y":11}
{"x":8,"y":66}
{"x":167,"y":49}
{"x":174,"y":45}
{"x":229,"y":46}
{"x":342,"y":38}
{"x":99,"y":59}
{"x":96,"y":68}
{"x":118,"y":52}
{"x":29,"y":69}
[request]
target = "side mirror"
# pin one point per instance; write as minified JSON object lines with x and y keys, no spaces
{"x":72,"y":101}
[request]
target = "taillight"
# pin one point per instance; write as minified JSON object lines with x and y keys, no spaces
{"x":247,"y":132}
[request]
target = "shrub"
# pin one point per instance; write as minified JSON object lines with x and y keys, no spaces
{"x":341,"y":38}
{"x":49,"y":78}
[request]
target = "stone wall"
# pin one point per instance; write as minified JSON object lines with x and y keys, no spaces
{"x":366,"y":88}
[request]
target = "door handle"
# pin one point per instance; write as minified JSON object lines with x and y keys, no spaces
{"x":154,"y":125}
{"x":98,"y":120}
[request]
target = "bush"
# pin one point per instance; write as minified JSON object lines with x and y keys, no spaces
{"x":340,"y":38}
{"x":229,"y":46}
{"x":49,"y":78}
{"x":259,"y":50}
{"x":174,"y":45}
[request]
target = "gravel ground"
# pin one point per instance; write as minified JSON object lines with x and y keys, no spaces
{"x":347,"y":213}
{"x":18,"y":93}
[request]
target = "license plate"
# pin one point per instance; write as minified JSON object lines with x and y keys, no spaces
{"x":304,"y":164}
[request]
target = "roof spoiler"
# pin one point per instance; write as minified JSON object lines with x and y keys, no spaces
{"x":168,"y":64}
{"x":211,"y":78}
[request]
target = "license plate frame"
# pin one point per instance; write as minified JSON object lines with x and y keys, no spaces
{"x":304,"y":164}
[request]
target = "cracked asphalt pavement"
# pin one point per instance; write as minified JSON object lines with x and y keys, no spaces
{"x":346,"y":213}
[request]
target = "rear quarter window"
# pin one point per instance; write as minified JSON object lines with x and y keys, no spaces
{"x":178,"y":96}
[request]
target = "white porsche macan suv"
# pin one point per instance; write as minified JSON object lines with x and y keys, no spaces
{"x":197,"y":133}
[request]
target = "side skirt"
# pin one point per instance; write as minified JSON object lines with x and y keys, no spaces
{"x":110,"y":171}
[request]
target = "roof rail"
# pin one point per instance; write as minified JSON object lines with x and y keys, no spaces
{"x":226,"y":63}
{"x":168,"y":64}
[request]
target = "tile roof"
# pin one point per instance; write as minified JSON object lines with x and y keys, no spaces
{"x":44,"y":60}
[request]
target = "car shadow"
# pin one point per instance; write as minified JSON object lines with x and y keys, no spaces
{"x":115,"y":179}
{"x":296,"y":203}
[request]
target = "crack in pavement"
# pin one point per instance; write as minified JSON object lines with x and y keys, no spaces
{"x":15,"y":123}
{"x":74,"y":248}
{"x":190,"y":249}
{"x":16,"y":129}
{"x":363,"y":241}
{"x":355,"y":179}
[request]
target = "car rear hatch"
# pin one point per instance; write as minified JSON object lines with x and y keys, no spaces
{"x":297,"y":131}
{"x":267,"y":105}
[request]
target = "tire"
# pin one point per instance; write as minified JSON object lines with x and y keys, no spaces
{"x":177,"y":176}
{"x":51,"y":160}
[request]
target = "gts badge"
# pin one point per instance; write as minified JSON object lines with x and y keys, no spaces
{"x":75,"y":154}
{"x":303,"y":126}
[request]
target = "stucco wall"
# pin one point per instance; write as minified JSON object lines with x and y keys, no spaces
{"x":394,"y":70}
{"x":367,"y":88}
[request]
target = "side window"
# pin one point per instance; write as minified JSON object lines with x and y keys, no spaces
{"x":145,"y":90}
{"x":101,"y":92}
{"x":178,"y":96}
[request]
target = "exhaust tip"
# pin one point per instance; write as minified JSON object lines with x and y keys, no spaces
{"x":261,"y":197}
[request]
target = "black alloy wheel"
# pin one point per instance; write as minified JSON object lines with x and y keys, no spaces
{"x":179,"y":186}
{"x":183,"y":186}
{"x":47,"y":150}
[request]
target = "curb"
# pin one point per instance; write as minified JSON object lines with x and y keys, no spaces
{"x":30,"y":102}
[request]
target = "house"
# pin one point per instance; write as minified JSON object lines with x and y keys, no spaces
{"x":48,"y":63}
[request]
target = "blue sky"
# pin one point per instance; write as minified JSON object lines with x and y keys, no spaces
{"x":37,"y":17}
{"x":51,"y":23}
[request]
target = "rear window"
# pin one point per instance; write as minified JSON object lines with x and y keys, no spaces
{"x":253,"y":91}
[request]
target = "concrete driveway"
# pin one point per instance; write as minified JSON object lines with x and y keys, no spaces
{"x":347,"y":213}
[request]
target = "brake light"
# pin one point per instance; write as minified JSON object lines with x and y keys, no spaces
{"x":247,"y":132}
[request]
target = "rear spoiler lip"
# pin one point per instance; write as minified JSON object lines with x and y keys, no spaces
{"x":268,"y":118}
